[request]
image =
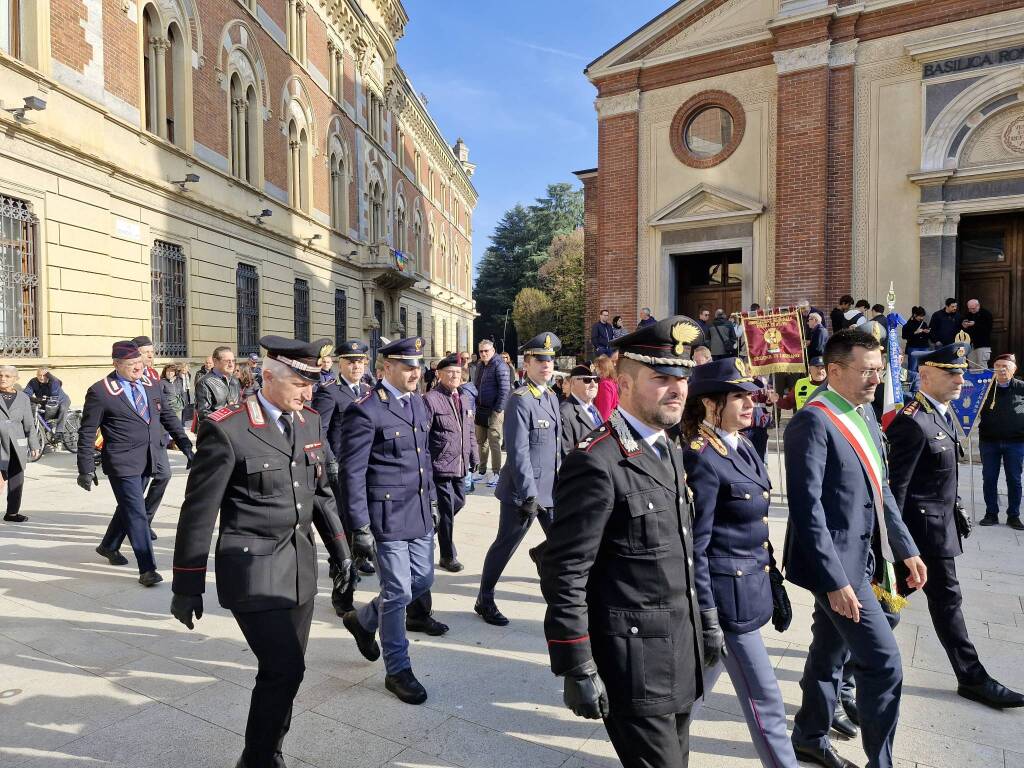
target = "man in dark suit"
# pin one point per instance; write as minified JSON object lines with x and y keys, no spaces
{"x":261,"y":465}
{"x":219,"y":387}
{"x":161,"y":476}
{"x":923,"y":457}
{"x":579,"y":415}
{"x":601,"y":335}
{"x":331,"y":401}
{"x":617,"y":568}
{"x":133,"y":416}
{"x":838,"y":493}
{"x":391,"y":507}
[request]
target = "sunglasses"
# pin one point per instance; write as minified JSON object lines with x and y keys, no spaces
{"x":587,"y":379}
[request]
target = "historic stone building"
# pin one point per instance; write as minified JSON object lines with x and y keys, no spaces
{"x":208,"y":171}
{"x":754,"y":150}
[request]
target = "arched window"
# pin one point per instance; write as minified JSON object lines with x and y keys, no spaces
{"x":417,"y":240}
{"x":339,"y":193}
{"x":298,"y":166}
{"x":244,"y":116}
{"x":376,"y":212}
{"x":456,"y":268}
{"x":442,"y":265}
{"x":167,"y":67}
{"x":246,"y":94}
{"x":400,"y":223}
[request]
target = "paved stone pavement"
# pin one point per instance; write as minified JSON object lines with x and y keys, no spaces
{"x":94,"y":672}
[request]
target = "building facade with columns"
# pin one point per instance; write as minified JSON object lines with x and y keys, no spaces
{"x":779,"y":150}
{"x":208,"y":171}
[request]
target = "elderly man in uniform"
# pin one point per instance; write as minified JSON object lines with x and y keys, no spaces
{"x":617,"y":568}
{"x":331,"y":401}
{"x":578,"y":413}
{"x":131,"y":411}
{"x":526,"y":484}
{"x":838,"y":493}
{"x":219,"y":387}
{"x":391,"y":506}
{"x":924,"y":448}
{"x":262,"y":465}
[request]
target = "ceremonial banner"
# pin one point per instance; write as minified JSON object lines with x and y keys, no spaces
{"x":775,"y":341}
{"x":893,"y":400}
{"x":972,"y":397}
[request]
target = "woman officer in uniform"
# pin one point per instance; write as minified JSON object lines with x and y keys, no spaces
{"x":733,"y":562}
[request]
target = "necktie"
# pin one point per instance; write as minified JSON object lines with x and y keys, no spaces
{"x":141,"y":405}
{"x":355,"y":390}
{"x":594,"y":415}
{"x":403,"y":401}
{"x":662,"y":445}
{"x":286,"y":427}
{"x":458,"y":403}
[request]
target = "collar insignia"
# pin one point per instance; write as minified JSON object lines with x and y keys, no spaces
{"x":382,"y":394}
{"x":714,"y":440}
{"x":623,"y":434}
{"x":255,"y":412}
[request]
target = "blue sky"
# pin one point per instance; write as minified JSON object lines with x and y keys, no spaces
{"x":508,"y":78}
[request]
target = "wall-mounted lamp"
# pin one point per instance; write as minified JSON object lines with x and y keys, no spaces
{"x":190,"y":178}
{"x":353,"y":255}
{"x":266,"y":213}
{"x":311,"y":239}
{"x":31,"y":103}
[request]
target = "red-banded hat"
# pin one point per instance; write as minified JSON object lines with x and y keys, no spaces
{"x":303,"y":357}
{"x":664,"y":346}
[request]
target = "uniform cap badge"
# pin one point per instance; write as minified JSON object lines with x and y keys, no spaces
{"x":683,"y":334}
{"x":960,"y":351}
{"x":418,"y":344}
{"x":547,"y":342}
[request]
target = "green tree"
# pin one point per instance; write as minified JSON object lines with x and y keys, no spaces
{"x":532,"y":312}
{"x":562,"y":278}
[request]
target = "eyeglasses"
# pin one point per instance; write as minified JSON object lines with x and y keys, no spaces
{"x":866,"y":373}
{"x":587,"y":379}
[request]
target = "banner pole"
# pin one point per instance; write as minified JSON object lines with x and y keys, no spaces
{"x":777,"y":417}
{"x":970,"y":468}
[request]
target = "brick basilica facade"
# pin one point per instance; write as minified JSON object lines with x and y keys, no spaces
{"x":755,"y":150}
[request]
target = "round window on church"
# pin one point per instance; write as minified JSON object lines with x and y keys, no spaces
{"x":708,"y":132}
{"x":707,"y":129}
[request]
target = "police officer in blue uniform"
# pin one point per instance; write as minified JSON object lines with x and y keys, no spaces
{"x":526,"y":483}
{"x":923,"y":460}
{"x":733,"y":564}
{"x":260,"y":465}
{"x":331,"y":400}
{"x":391,"y":505}
{"x":838,"y":493}
{"x":130,"y":410}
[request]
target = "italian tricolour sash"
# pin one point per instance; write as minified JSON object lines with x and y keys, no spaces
{"x":854,"y":429}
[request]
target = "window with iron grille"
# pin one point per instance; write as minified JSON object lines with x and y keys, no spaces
{"x":247,"y":298}
{"x":167,"y":275}
{"x":301,"y":304}
{"x":403,"y":319}
{"x":340,"y":317}
{"x":19,"y":279}
{"x":419,"y":324}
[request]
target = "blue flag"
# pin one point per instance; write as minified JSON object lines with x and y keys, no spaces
{"x":972,"y":396}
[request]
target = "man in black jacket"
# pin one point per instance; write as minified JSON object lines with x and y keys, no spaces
{"x":579,"y":415}
{"x":945,"y":323}
{"x":838,"y":315}
{"x":978,"y":324}
{"x":262,"y":466}
{"x":219,"y":387}
{"x":1001,"y":431}
{"x":601,"y":335}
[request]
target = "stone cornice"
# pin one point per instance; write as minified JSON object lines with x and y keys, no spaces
{"x":843,"y":54}
{"x":804,"y":58}
{"x":623,"y":103}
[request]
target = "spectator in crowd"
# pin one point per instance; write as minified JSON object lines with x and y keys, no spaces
{"x":978,"y":324}
{"x":493,"y":384}
{"x":429,"y":377}
{"x":607,"y":398}
{"x":755,"y":307}
{"x":204,"y":369}
{"x":247,"y":380}
{"x":876,"y":323}
{"x":704,"y":321}
{"x":46,"y":391}
{"x":741,"y":337}
{"x":646,"y":318}
{"x":173,"y":394}
{"x":1001,"y":429}
{"x":794,"y":399}
{"x":917,"y":336}
{"x":858,"y":314}
{"x":473,"y":364}
{"x":467,"y":390}
{"x":722,"y":336}
{"x":601,"y":335}
{"x":946,"y":323}
{"x":18,"y":440}
{"x":806,"y":308}
{"x":837,"y":317}
{"x":817,"y":336}
{"x":617,"y":329}
{"x":219,"y":387}
{"x":327,"y":375}
{"x":255,"y":365}
{"x":186,"y":382}
{"x":701,"y":354}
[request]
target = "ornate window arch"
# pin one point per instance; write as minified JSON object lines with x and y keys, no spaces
{"x":300,"y":131}
{"x":339,"y":165}
{"x":170,"y":44}
{"x":431,"y":241}
{"x":242,"y":75}
{"x":417,"y":236}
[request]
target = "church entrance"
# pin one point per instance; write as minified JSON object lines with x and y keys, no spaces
{"x":990,"y":268}
{"x":709,"y":280}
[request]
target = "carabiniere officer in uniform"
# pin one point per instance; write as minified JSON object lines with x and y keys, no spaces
{"x":262,"y":465}
{"x":617,"y":569}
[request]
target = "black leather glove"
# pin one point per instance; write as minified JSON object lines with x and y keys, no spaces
{"x":190,"y":456}
{"x":362,"y":543}
{"x":86,"y":482}
{"x":782,"y":611}
{"x":584,"y":692}
{"x":528,"y":509}
{"x":714,"y":638}
{"x":183,"y":606}
{"x":435,"y":514}
{"x":342,"y":575}
{"x":964,"y":525}
{"x":332,"y":472}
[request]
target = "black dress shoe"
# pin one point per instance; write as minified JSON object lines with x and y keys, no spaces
{"x":489,"y":612}
{"x":992,"y":694}
{"x":429,"y":624}
{"x":850,"y":708}
{"x":406,"y":687}
{"x":827,"y":757}
{"x":152,"y":535}
{"x":1015,"y":523}
{"x":150,"y":578}
{"x":452,"y":566}
{"x":367,"y":567}
{"x":365,"y":641}
{"x":842,"y":724}
{"x":989,"y":520}
{"x":113,"y":556}
{"x":15,"y":518}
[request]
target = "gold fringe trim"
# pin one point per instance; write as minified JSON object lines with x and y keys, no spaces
{"x":891,"y":600}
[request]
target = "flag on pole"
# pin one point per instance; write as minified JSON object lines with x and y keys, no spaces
{"x":893,"y":385}
{"x":775,"y":341}
{"x":975,"y":391}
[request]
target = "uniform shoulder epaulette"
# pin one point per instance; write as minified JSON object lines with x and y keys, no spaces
{"x":520,"y":391}
{"x":911,"y":408}
{"x":222,"y":413}
{"x":698,"y":444}
{"x":382,"y":394}
{"x":364,"y":398}
{"x":590,"y":441}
